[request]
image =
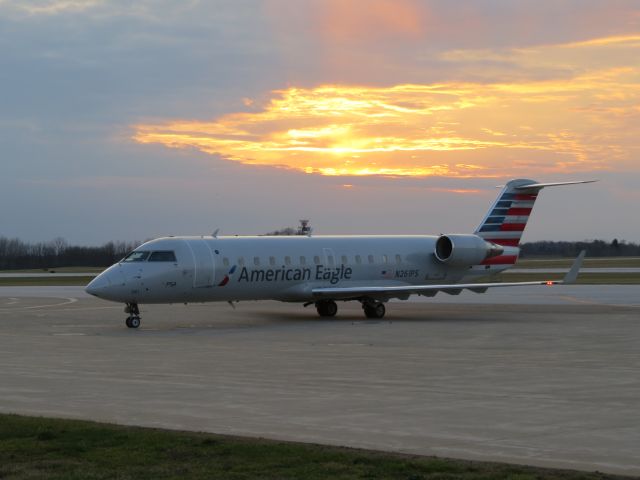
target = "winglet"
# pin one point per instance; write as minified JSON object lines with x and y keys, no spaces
{"x":572,"y":274}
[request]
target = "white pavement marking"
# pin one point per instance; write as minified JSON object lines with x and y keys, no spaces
{"x":37,"y":307}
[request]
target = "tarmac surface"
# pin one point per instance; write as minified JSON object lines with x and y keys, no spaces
{"x":541,"y":376}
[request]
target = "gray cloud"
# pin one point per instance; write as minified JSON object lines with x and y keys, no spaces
{"x":76,"y":74}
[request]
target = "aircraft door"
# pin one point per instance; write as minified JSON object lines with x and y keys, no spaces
{"x":204,"y":263}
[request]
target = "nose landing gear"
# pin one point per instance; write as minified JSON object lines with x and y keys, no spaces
{"x":133,"y":320}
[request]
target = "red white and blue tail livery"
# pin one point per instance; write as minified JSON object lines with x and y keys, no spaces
{"x":321,"y":270}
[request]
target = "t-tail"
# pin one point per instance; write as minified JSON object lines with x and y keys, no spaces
{"x":505,"y":222}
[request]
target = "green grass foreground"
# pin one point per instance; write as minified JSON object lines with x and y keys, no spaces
{"x":33,"y":448}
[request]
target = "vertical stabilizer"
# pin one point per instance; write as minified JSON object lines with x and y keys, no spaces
{"x":508,"y":216}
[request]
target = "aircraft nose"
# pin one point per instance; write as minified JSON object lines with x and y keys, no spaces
{"x":98,"y":284}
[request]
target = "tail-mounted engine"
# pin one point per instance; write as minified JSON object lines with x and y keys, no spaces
{"x":464,"y":249}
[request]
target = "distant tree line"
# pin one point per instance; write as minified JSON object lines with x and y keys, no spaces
{"x":17,"y":254}
{"x":594,"y":248}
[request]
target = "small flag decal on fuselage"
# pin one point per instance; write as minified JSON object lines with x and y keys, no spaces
{"x":227,"y":277}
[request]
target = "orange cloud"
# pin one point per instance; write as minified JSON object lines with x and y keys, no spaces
{"x":339,"y":20}
{"x":587,"y":120}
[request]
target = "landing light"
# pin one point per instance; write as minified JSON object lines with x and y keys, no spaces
{"x":550,"y":282}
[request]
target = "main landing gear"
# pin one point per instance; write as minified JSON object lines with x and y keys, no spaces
{"x":133,"y":320}
{"x":372,"y":309}
{"x":326,"y":308}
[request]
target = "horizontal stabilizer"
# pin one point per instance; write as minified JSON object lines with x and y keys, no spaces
{"x":556,"y":184}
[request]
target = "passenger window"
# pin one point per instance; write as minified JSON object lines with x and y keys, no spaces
{"x":136,"y":257}
{"x":344,"y":260}
{"x":316,"y":260}
{"x":330,"y":260}
{"x":370,"y":257}
{"x":398,"y":259}
{"x":385,"y":259}
{"x":162,"y":256}
{"x":225,"y":261}
{"x":256,"y":261}
{"x":287,"y":261}
{"x":241,"y":261}
{"x":358,"y":259}
{"x":303,"y":260}
{"x":272,"y":261}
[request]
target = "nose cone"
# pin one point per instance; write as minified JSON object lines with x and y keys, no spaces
{"x":109,"y":285}
{"x":98,"y":285}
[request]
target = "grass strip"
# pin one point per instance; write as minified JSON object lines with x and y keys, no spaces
{"x":583,"y":278}
{"x":597,"y":262}
{"x":58,"y":270}
{"x":33,"y":447}
{"x":44,"y":281}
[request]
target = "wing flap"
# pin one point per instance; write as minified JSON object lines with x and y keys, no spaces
{"x":427,"y":290}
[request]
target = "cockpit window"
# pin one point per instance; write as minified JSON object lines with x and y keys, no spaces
{"x":138,"y":256}
{"x":162,"y":256}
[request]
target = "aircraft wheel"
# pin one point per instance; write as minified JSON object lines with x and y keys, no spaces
{"x":133,"y":321}
{"x":327,"y":308}
{"x":377,"y":310}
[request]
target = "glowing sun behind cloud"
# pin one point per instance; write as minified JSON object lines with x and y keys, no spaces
{"x":585,"y":118}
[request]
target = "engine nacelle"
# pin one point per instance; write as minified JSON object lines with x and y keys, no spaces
{"x":464,"y":250}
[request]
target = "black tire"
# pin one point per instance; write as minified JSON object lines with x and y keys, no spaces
{"x":327,"y":308}
{"x":128,"y":322}
{"x":134,"y":322}
{"x":377,"y":310}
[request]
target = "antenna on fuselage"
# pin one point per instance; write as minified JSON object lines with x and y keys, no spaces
{"x":215,"y":233}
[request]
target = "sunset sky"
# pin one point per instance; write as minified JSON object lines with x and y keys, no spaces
{"x":121,"y":122}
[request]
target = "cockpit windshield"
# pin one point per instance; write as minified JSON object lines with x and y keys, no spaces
{"x":147,"y":256}
{"x":137,"y":256}
{"x":162,"y":256}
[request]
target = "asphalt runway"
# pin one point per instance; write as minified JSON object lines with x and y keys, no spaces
{"x":541,"y":376}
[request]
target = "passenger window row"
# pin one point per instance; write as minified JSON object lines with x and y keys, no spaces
{"x":317,"y":260}
{"x":170,"y":256}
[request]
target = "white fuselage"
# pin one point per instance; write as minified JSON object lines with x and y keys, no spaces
{"x":282,"y":268}
{"x":323,"y":269}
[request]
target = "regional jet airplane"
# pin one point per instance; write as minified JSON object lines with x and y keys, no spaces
{"x":320,"y":270}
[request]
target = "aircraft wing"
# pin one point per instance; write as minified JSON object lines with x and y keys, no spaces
{"x":430,"y":290}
